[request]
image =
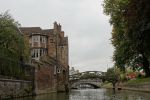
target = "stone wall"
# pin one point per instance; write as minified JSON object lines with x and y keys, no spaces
{"x":145,"y":87}
{"x":10,"y":88}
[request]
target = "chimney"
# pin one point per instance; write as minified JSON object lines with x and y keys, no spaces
{"x":59,"y":27}
{"x":55,"y":25}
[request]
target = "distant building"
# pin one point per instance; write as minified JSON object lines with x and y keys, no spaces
{"x":73,"y":71}
{"x":48,"y":49}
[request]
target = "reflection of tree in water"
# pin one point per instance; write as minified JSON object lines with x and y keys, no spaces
{"x":126,"y":95}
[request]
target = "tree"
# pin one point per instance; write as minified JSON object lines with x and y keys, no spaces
{"x":130,"y":35}
{"x":89,"y":75}
{"x":12,"y":46}
{"x":113,"y":75}
{"x":116,"y":9}
{"x":137,"y":17}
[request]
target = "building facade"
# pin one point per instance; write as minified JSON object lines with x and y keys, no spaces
{"x":49,"y":50}
{"x":72,"y":71}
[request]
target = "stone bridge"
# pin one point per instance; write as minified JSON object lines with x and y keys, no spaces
{"x":87,"y":79}
{"x":94,"y":83}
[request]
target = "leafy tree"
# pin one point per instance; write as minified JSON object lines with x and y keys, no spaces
{"x":116,"y":9}
{"x":138,"y":21}
{"x":113,"y":75}
{"x":130,"y":35}
{"x":89,"y":75}
{"x":12,"y":46}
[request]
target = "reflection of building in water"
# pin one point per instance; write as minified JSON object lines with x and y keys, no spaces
{"x":73,"y":71}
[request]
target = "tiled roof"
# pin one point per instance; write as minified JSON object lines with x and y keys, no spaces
{"x":47,"y":31}
{"x":31,"y":29}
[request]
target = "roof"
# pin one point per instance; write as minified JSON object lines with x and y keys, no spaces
{"x":47,"y":31}
{"x":30,"y":30}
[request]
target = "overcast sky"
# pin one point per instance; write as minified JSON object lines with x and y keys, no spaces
{"x":83,"y":21}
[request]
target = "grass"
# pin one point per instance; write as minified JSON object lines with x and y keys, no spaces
{"x":106,"y":85}
{"x":135,"y":81}
{"x":138,"y":80}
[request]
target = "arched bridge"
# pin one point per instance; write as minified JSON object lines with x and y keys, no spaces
{"x":91,"y":79}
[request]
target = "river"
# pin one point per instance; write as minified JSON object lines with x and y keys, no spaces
{"x":93,"y":94}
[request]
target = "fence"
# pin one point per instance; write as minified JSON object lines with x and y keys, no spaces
{"x":13,"y":67}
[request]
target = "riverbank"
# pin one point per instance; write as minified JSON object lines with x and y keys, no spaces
{"x":142,"y":85}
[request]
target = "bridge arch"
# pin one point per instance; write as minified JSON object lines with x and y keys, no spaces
{"x":93,"y":78}
{"x":79,"y":85}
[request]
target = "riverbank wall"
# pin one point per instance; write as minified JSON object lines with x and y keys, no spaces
{"x":10,"y":88}
{"x":144,"y":87}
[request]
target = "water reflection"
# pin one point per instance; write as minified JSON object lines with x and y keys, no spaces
{"x":127,"y":95}
{"x":93,"y":94}
{"x":52,"y":96}
{"x":88,"y":94}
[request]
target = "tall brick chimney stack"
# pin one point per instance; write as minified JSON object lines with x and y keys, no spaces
{"x":55,"y":27}
{"x":59,"y":27}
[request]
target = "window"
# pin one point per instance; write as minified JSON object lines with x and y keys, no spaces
{"x":33,"y":53}
{"x":40,"y":52}
{"x":43,"y":39}
{"x":37,"y":54}
{"x":40,"y":39}
{"x":51,"y":41}
{"x":58,"y":70}
{"x":34,"y":39}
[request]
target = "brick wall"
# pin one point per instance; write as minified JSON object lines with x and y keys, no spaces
{"x":45,"y":80}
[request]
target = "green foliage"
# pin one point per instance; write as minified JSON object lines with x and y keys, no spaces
{"x":123,"y":77}
{"x":9,"y":37}
{"x":113,"y":75}
{"x":107,"y":85}
{"x":11,"y":47}
{"x":116,"y":10}
{"x":130,"y":35}
{"x":89,"y":75}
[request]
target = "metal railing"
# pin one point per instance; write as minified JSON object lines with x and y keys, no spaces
{"x":12,"y":68}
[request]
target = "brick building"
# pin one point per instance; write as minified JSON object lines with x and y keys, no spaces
{"x":49,"y":53}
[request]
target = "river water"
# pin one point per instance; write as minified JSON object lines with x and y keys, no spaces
{"x":93,"y":94}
